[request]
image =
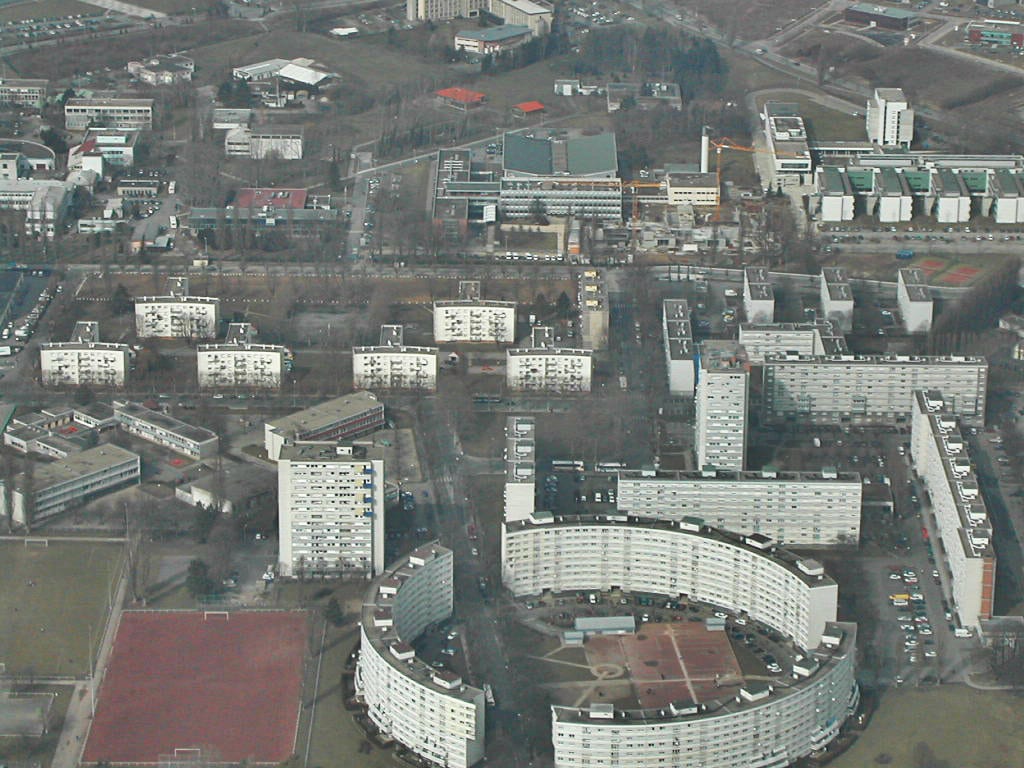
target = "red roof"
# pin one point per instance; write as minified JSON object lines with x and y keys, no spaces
{"x":461,"y":95}
{"x":530,"y":106}
{"x":249,"y":197}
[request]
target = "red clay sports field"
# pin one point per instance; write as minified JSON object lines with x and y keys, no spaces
{"x":230,"y":685}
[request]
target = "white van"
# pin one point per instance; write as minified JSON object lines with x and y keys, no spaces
{"x":963,"y":632}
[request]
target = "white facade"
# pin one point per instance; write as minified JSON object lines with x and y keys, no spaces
{"x":764,"y":726}
{"x":761,"y":341}
{"x":520,"y":468}
{"x":593,"y":307}
{"x":865,"y":389}
{"x":549,"y":369}
{"x":786,"y":136}
{"x":124,"y":114}
{"x":474,"y":320}
{"x":429,"y":711}
{"x":914,"y":298}
{"x":394,"y":365}
{"x":71,"y":364}
{"x":806,"y":509}
{"x":672,"y":558}
{"x":837,"y":297}
{"x":338,"y":419}
{"x":721,"y":406}
{"x":330,"y":510}
{"x":758,"y":296}
{"x":46,"y":203}
{"x":890,"y":120}
{"x":941,"y":459}
{"x":166,"y":431}
{"x":181,"y":317}
{"x":677,"y":337}
{"x":240,"y":365}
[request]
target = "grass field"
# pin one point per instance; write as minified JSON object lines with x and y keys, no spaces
{"x":171,"y":7}
{"x":45,"y":9}
{"x":49,"y":598}
{"x":961,"y":726}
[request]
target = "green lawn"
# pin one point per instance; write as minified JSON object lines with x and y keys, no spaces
{"x":822,"y":122}
{"x":961,"y":726}
{"x":46,"y":9}
{"x":49,"y":598}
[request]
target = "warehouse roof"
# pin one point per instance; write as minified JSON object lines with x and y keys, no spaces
{"x":580,"y":156}
{"x":494,"y":34}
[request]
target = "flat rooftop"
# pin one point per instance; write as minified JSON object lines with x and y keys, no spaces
{"x":838,"y":283}
{"x":326,"y":414}
{"x":162,"y":421}
{"x":722,"y":356}
{"x":112,"y":103}
{"x":331,"y":451}
{"x":88,"y":462}
{"x":747,"y":476}
{"x":876,"y":360}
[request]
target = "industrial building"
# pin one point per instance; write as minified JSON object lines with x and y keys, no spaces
{"x":786,"y":136}
{"x":239,"y":362}
{"x":471,"y":318}
{"x":67,"y":483}
{"x":837,"y":298}
{"x":692,"y":188}
{"x":338,"y":419}
{"x":156,"y":427}
{"x":914,"y":299}
{"x":330,"y":502}
{"x":520,"y":468}
{"x":772,"y":340}
{"x":177,"y":314}
{"x":677,"y":338}
{"x":84,"y":360}
{"x":798,"y":509}
{"x":889,"y":118}
{"x":260,"y":142}
{"x":123,"y":114}
{"x":546,"y":366}
{"x":941,"y":458}
{"x":880,"y":16}
{"x":538,"y":16}
{"x":492,"y":40}
{"x":868,"y":389}
{"x":722,"y":397}
{"x":429,"y":711}
{"x":392,"y":364}
{"x":758,"y":295}
{"x":592,"y":301}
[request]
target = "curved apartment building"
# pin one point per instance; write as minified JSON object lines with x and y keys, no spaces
{"x":429,"y":711}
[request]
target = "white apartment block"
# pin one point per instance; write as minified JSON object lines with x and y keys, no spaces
{"x":46,"y":203}
{"x":252,"y":366}
{"x":914,"y":299}
{"x":70,"y":482}
{"x":677,"y":337}
{"x":429,"y":711}
{"x":722,"y":397}
{"x":520,"y":468}
{"x":761,"y":341}
{"x":166,"y":431}
{"x":473,"y":319}
{"x":758,"y":296}
{"x":544,"y":367}
{"x":740,"y":573}
{"x":330,"y":510}
{"x":889,"y":118}
{"x":124,"y":114}
{"x":393,"y":364}
{"x":764,"y":725}
{"x":181,"y":317}
{"x":864,"y":389}
{"x":84,"y":361}
{"x":941,"y":458}
{"x":799,"y":509}
{"x":593,"y":308}
{"x":837,"y":298}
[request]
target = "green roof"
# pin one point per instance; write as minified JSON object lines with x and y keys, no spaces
{"x":861,"y":181}
{"x":582,"y":156}
{"x":494,"y":34}
{"x":919,"y":182}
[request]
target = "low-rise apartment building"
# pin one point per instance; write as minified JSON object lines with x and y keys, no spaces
{"x":677,"y":337}
{"x":800,"y":509}
{"x":431,"y":712}
{"x":942,"y":459}
{"x":392,"y":364}
{"x":520,"y":468}
{"x":914,"y":298}
{"x":163,"y":70}
{"x":23,"y":92}
{"x":338,"y":419}
{"x":166,"y":431}
{"x":177,"y":315}
{"x":837,"y":297}
{"x":239,"y":362}
{"x":84,"y":360}
{"x":758,"y":295}
{"x":593,"y":306}
{"x":330,"y":501}
{"x":868,"y":389}
{"x":471,"y":318}
{"x":543,"y":366}
{"x":773,"y":339}
{"x":721,"y":401}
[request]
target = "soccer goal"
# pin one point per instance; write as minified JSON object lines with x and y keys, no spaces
{"x":216,"y":615}
{"x":182,"y":757}
{"x":37,"y":542}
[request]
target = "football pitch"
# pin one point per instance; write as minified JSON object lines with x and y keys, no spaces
{"x":54,"y":599}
